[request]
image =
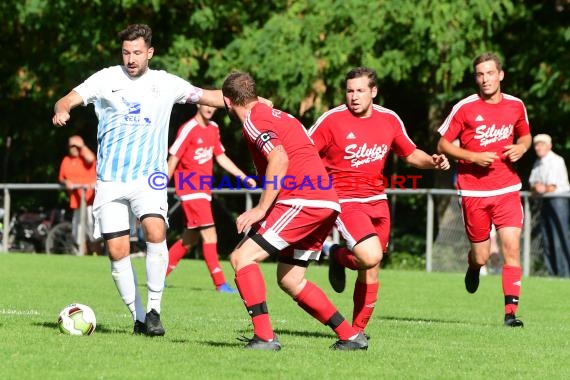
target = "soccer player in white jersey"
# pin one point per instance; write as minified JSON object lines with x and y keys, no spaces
{"x":493,"y":132}
{"x":354,"y":141}
{"x":133,"y":104}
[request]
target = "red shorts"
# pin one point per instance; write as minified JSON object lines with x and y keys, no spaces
{"x":198,"y":213}
{"x":295,"y":232}
{"x":359,"y":221}
{"x":480,"y":212}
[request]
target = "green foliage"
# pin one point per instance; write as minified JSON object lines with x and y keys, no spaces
{"x":299,"y":52}
{"x":404,"y":261}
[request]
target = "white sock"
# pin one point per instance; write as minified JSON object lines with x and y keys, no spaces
{"x":140,"y":313}
{"x":156,"y":265}
{"x":125,"y":280}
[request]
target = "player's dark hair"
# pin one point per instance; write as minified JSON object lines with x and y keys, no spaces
{"x":487,"y":57}
{"x":134,"y":31}
{"x":240,"y":88}
{"x":359,"y":72}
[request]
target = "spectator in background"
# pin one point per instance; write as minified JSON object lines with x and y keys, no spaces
{"x":494,"y":133}
{"x":78,"y":169}
{"x":550,"y":176}
{"x":197,"y":142}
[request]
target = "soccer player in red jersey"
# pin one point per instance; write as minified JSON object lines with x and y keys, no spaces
{"x":190,"y":161}
{"x":295,"y":213}
{"x":493,"y":132}
{"x":354,"y":140}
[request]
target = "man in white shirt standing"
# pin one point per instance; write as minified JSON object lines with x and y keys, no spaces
{"x":550,"y":176}
{"x":133,"y":104}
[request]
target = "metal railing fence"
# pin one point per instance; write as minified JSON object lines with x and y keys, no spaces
{"x":429,"y":228}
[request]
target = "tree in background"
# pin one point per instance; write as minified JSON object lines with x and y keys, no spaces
{"x":298,"y":51}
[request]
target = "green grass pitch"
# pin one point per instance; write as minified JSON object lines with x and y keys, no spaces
{"x":426,"y":326}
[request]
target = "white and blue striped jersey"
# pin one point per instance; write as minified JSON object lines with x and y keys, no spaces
{"x":134,"y":117}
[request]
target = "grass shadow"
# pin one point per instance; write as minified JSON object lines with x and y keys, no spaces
{"x":99,"y":329}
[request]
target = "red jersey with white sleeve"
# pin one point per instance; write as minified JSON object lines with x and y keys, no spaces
{"x":195,"y":146}
{"x":354,"y":149}
{"x":486,"y":127}
{"x":306,"y":182}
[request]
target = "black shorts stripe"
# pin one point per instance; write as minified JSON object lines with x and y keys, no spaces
{"x":113,"y":235}
{"x":151,"y":215}
{"x":293,"y":261}
{"x":368,"y":237}
{"x":267,"y":247}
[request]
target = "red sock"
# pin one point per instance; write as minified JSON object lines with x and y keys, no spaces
{"x":364,"y":297}
{"x":315,"y":302}
{"x":251,"y":286}
{"x":346,"y":258}
{"x":511,"y":288}
{"x":210,"y":252}
{"x":175,"y":254}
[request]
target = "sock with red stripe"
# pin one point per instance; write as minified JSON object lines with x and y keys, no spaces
{"x":511,"y":288}
{"x":175,"y":254}
{"x":251,"y":287}
{"x":346,"y":258}
{"x":364,"y":298}
{"x":210,"y":252}
{"x":315,"y":302}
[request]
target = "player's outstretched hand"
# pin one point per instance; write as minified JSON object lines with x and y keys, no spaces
{"x":440,"y":161}
{"x":60,"y":119}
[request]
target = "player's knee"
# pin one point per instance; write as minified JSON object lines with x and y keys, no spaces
{"x":236,"y":260}
{"x":289,"y":285}
{"x":370,"y":261}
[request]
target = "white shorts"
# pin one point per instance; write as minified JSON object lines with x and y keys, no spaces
{"x":89,"y":224}
{"x":116,"y":202}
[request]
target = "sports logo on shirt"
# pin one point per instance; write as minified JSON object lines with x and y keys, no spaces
{"x":203,"y":155}
{"x":134,"y":107}
{"x":363,"y":154}
{"x":488,"y":135}
{"x":350,"y":136}
{"x":264,"y":138}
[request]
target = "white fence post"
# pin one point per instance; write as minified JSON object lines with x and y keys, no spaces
{"x":526,"y":237}
{"x":6,"y":229}
{"x":429,"y":231}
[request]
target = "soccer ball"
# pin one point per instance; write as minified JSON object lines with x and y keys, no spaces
{"x":77,"y":319}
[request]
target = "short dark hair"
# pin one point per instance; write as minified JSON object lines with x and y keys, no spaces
{"x":134,"y":31}
{"x":359,"y":72}
{"x":240,"y":88}
{"x":487,"y":57}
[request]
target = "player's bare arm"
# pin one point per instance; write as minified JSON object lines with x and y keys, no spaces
{"x":458,"y":153}
{"x":515,"y":151}
{"x":215,"y":98}
{"x":172,"y":163}
{"x":422,"y":160}
{"x":277,"y":165}
{"x":64,"y":106}
{"x":212,"y":98}
{"x":229,"y":166}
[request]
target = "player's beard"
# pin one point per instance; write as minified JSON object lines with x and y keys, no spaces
{"x":137,"y":71}
{"x":231,"y":113}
